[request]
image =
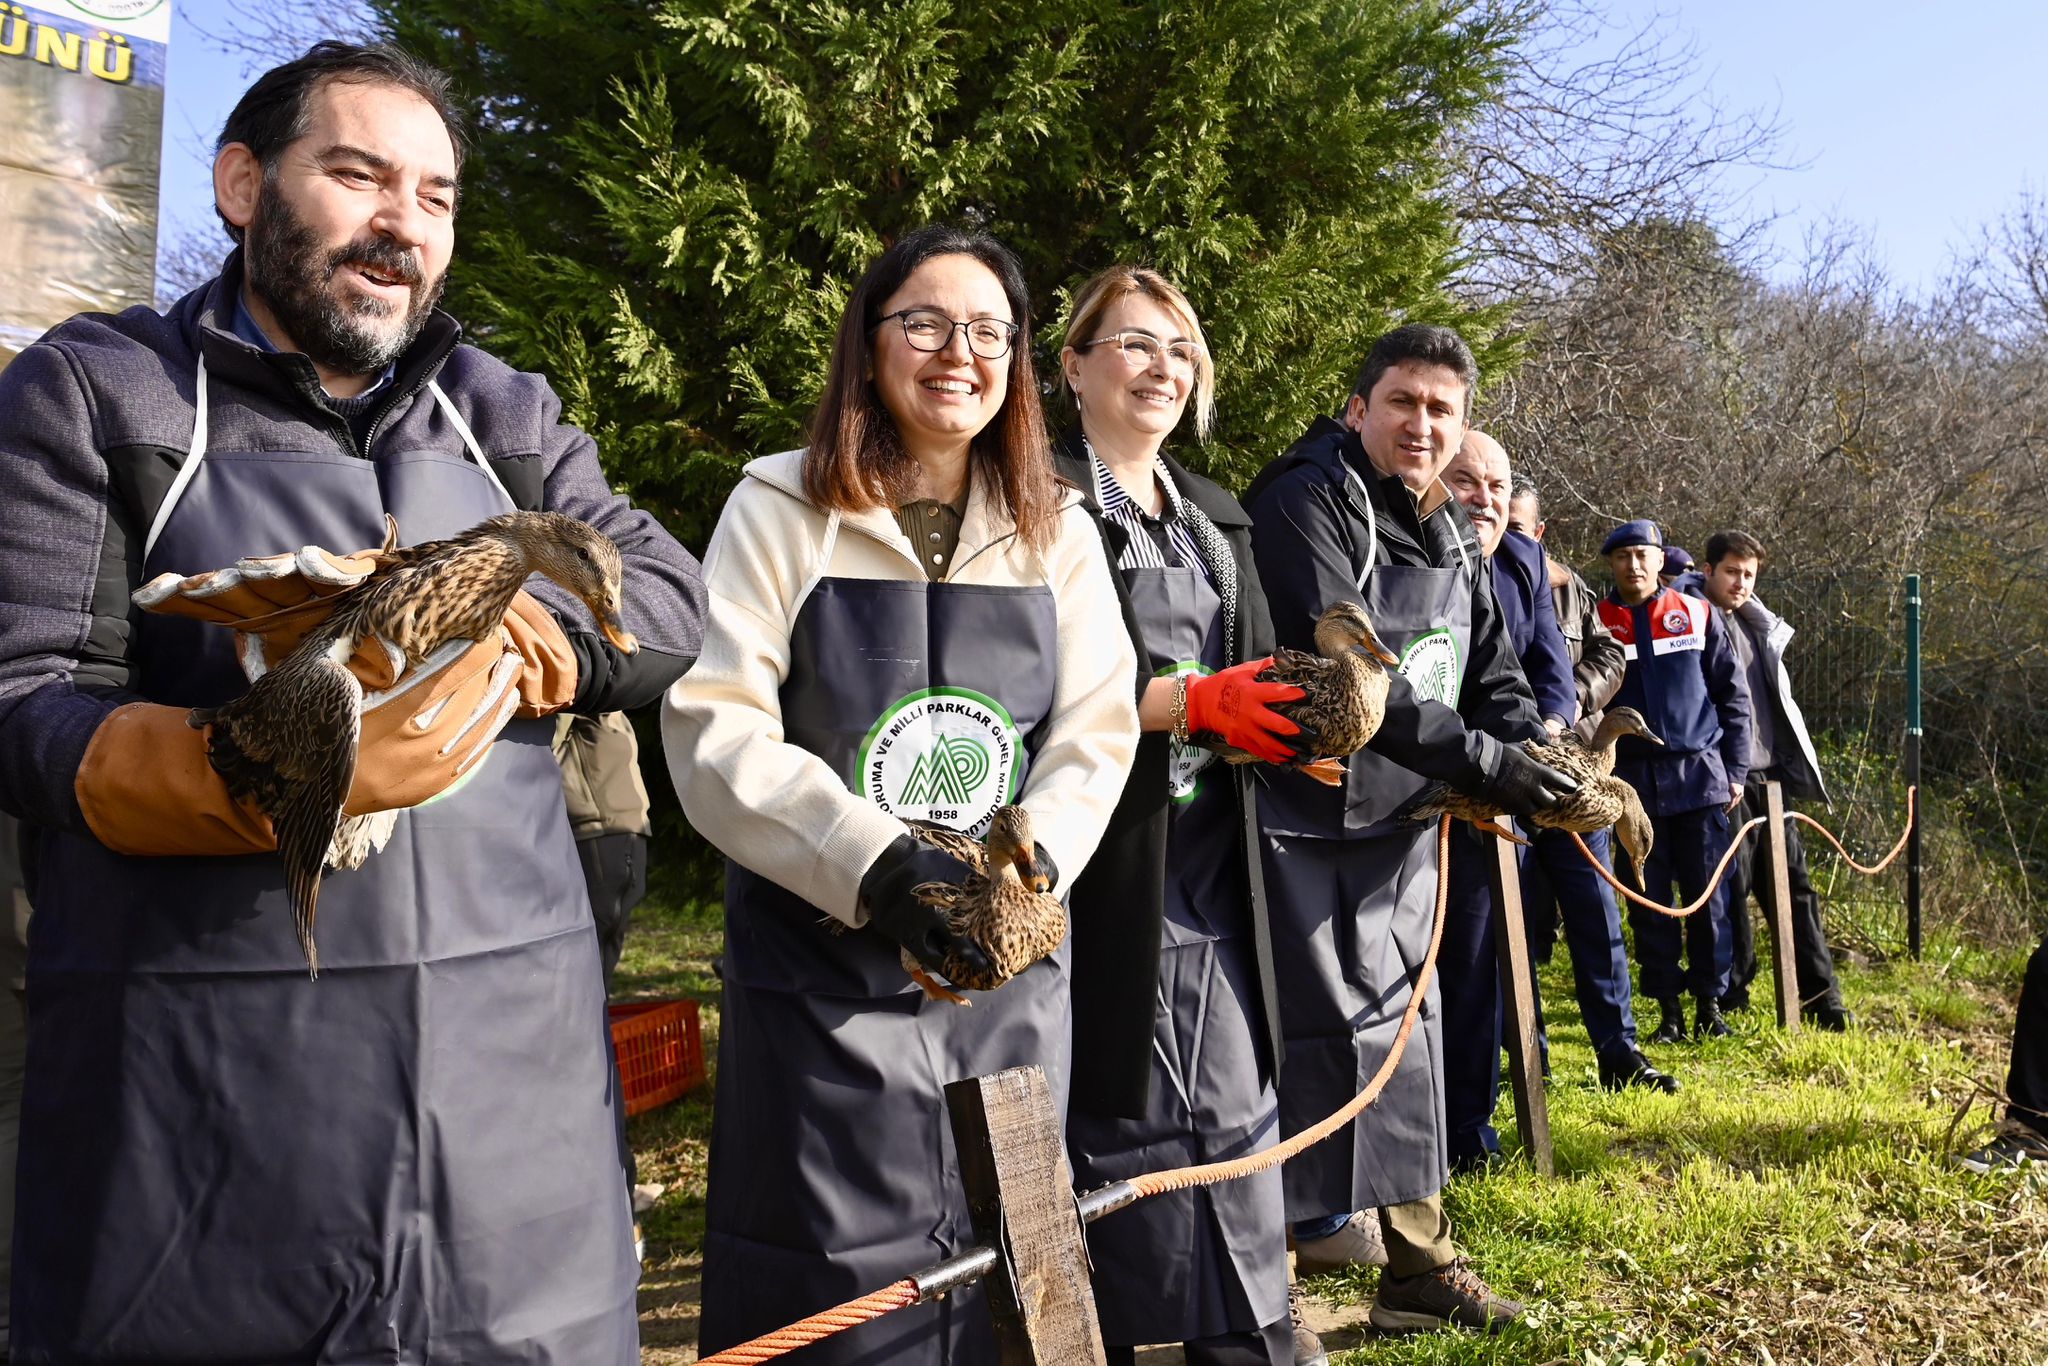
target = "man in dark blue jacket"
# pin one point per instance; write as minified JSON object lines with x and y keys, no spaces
{"x":1683,"y":677}
{"x":1479,"y":481}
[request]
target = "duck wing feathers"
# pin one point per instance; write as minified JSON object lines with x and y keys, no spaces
{"x":288,"y":747}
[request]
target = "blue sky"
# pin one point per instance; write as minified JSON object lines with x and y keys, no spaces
{"x":1915,"y":121}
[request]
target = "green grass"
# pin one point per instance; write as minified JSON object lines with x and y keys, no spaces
{"x":1797,"y":1203}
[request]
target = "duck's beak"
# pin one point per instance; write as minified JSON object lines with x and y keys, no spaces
{"x":1026,"y":864}
{"x":615,"y":631}
{"x":1380,"y":652}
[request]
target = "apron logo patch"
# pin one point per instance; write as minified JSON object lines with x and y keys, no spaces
{"x":1430,"y":664}
{"x":1185,"y":763}
{"x":946,"y":755}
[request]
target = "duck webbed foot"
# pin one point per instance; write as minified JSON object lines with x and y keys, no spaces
{"x":934,"y":989}
{"x":1329,"y":772}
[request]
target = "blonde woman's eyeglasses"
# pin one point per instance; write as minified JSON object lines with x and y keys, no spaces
{"x":1142,"y":348}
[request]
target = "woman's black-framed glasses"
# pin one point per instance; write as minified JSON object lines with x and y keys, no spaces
{"x":927,"y":329}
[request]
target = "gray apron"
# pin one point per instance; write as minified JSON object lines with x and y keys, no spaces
{"x":833,"y":1158}
{"x":1200,"y":1263}
{"x":1351,"y":925}
{"x":414,"y":1159}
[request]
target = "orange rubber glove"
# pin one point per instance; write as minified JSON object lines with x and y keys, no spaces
{"x":1233,"y":703}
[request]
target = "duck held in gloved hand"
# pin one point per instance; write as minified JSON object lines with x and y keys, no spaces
{"x":289,"y":746}
{"x":1598,"y":801}
{"x":990,"y":915}
{"x":1302,"y":711}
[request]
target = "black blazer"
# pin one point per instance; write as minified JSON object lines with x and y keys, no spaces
{"x":1119,"y":901}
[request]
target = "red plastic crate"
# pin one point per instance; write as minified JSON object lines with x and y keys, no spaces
{"x":661,"y":1051}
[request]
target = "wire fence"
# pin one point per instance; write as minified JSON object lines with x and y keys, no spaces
{"x":1984,"y":756}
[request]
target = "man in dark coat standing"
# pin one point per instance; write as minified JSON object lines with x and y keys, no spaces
{"x":1682,"y":676}
{"x":1479,"y":479}
{"x":1557,"y":884}
{"x":1780,"y":750}
{"x":417,"y":1156}
{"x":1356,"y":510}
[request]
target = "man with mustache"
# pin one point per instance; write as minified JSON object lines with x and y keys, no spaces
{"x":1557,"y":884}
{"x":417,"y":1156}
{"x":1683,"y":677}
{"x":1480,"y":480}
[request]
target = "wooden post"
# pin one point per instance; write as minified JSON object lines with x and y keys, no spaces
{"x":1785,"y":973}
{"x":1518,"y":1009}
{"x":1013,"y":1162}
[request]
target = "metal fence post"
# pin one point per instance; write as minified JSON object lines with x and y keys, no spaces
{"x":1912,"y":760}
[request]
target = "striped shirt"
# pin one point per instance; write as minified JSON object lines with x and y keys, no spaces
{"x":1162,"y":542}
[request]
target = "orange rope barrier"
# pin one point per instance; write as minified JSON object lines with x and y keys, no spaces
{"x":822,"y":1324}
{"x":1675,"y":912}
{"x":1209,"y":1174}
{"x":1912,"y":811}
{"x":1721,"y":869}
{"x":904,"y":1293}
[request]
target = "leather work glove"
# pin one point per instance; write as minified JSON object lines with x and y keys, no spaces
{"x":1232,"y":703}
{"x":1522,"y":786}
{"x":146,"y":786}
{"x":885,"y":889}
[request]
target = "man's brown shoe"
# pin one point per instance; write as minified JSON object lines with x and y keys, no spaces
{"x":1451,"y":1295}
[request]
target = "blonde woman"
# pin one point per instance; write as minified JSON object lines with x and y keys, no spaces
{"x":910,"y":618}
{"x":1183,"y":1072}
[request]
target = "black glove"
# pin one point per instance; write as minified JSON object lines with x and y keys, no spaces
{"x":885,"y":889}
{"x":1522,"y":786}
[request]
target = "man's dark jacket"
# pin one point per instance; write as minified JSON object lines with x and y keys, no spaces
{"x":1522,"y":583}
{"x":1308,"y":535}
{"x":95,"y":421}
{"x":1120,"y":898}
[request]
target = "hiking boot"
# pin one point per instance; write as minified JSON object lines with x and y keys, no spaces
{"x":1708,"y":1024}
{"x":2015,"y":1147}
{"x":1633,"y":1069}
{"x":1831,"y":1017}
{"x":1308,"y":1348}
{"x":1671,"y":1021}
{"x":1451,"y":1295}
{"x":1358,"y":1243}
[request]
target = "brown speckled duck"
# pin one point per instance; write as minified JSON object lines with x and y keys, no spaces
{"x":288,"y":745}
{"x":1602,"y":800}
{"x":1345,"y":687}
{"x":1005,"y":907}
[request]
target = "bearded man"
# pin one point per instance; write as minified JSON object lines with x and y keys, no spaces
{"x":417,"y":1156}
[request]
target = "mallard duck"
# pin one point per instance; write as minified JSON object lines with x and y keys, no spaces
{"x":1600,"y":801}
{"x":1345,"y":692}
{"x":1595,"y":758}
{"x":288,"y":745}
{"x":1008,"y":912}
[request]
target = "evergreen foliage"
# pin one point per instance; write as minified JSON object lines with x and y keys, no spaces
{"x":668,"y":203}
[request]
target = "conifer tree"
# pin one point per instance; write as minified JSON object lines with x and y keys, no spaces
{"x":667,"y":204}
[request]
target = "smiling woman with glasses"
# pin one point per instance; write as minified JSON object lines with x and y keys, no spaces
{"x":911,"y":620}
{"x":1179,"y":1069}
